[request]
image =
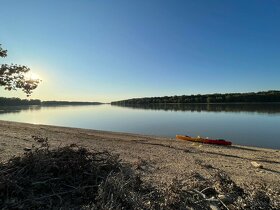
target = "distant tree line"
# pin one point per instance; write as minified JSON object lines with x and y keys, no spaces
{"x":55,"y":103}
{"x":25,"y":102}
{"x":259,"y":97}
{"x":18,"y":102}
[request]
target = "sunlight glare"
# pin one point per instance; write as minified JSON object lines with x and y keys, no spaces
{"x":32,"y":76}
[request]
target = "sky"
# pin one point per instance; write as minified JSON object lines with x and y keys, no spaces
{"x":107,"y":50}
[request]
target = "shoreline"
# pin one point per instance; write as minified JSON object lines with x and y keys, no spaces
{"x":158,"y":159}
{"x":161,"y":138}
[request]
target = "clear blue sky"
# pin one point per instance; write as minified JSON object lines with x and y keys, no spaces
{"x":105,"y":50}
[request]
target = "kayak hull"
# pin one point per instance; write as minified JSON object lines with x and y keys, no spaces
{"x":202,"y":140}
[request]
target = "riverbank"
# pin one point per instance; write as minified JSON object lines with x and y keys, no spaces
{"x":157,"y":159}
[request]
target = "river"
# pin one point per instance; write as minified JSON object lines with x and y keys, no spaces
{"x":246,"y":124}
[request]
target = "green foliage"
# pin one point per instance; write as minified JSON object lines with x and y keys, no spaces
{"x":259,"y":97}
{"x":3,"y":53}
{"x":18,"y":102}
{"x":13,"y":76}
{"x":22,"y":102}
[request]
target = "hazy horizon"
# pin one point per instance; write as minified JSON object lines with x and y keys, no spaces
{"x":113,"y":50}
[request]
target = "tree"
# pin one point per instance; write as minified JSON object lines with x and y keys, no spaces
{"x":14,"y":77}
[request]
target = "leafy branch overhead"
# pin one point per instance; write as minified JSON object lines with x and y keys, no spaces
{"x":14,"y":77}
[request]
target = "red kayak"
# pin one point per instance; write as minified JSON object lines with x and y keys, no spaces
{"x":217,"y":141}
{"x":204,"y":140}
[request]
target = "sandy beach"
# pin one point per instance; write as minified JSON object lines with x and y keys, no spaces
{"x":159,"y":160}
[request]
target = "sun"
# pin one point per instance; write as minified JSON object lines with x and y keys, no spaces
{"x":32,"y":76}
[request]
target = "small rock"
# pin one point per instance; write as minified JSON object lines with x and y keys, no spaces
{"x":256,"y":165}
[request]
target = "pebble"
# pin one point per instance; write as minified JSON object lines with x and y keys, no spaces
{"x":256,"y":165}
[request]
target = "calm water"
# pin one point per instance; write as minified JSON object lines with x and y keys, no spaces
{"x":255,"y":125}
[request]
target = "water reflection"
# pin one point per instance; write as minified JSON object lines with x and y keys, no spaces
{"x":31,"y":108}
{"x":267,"y":108}
{"x":271,"y":108}
{"x":245,"y":124}
{"x":18,"y":109}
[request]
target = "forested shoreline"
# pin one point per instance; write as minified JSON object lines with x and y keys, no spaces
{"x":28,"y":102}
{"x":55,"y":103}
{"x":252,"y":97}
{"x":258,"y":97}
{"x":18,"y":102}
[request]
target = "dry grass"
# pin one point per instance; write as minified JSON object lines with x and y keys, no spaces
{"x":75,"y":178}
